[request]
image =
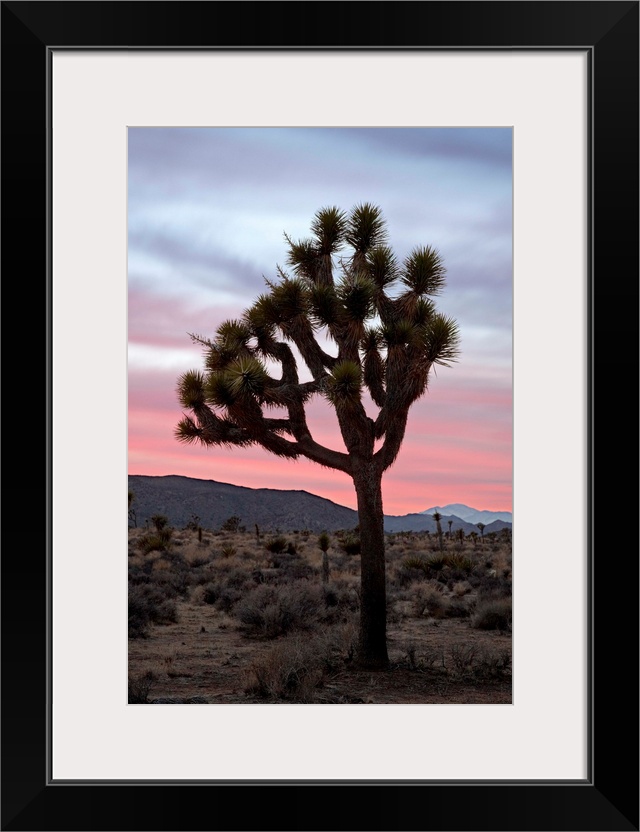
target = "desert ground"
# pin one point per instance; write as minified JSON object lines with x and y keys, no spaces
{"x":242,"y":616}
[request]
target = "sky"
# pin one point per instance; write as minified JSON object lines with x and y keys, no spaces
{"x":208,"y":209}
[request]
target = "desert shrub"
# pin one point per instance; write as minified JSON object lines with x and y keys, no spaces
{"x":415,"y":563}
{"x":459,"y":563}
{"x":457,"y":608}
{"x":435,"y":563}
{"x":199,"y":575}
{"x":231,"y":524}
{"x":462,"y":657}
{"x":291,"y":568}
{"x":331,"y":597}
{"x":155,"y":541}
{"x":431,"y":657}
{"x":490,"y":584}
{"x":228,"y":598}
{"x":291,"y":548}
{"x":471,"y":661}
{"x":246,"y":555}
{"x":172,"y":575}
{"x":210,"y":593}
{"x":270,"y":611}
{"x":492,"y":614}
{"x":265,"y":576}
{"x":237,"y":578}
{"x":140,"y":687}
{"x":228,"y":550}
{"x":410,"y":653}
{"x":192,"y":524}
{"x":340,"y":602}
{"x":461,"y":588}
{"x":276,"y":544}
{"x":425,"y":659}
{"x":350,"y":545}
{"x":429,"y":600}
{"x":140,"y":572}
{"x":139,"y":614}
{"x":343,"y":563}
{"x":292,"y":670}
{"x":149,"y":605}
{"x":404,"y":576}
{"x":456,"y":565}
{"x":165,"y":612}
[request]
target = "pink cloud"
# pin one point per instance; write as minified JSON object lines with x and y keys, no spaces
{"x":457,"y":448}
{"x":426,"y":473}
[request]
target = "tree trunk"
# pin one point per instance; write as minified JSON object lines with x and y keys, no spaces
{"x":372,"y":640}
{"x":325,"y":568}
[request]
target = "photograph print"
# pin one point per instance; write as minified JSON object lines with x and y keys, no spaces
{"x":320,"y":415}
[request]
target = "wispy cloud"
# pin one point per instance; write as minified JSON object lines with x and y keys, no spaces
{"x":208,"y":209}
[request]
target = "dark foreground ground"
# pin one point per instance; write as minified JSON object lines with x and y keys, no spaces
{"x":224,"y":620}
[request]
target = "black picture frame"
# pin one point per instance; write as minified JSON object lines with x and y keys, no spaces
{"x":608,"y":798}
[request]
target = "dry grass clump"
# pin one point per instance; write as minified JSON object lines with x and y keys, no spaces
{"x":149,"y":604}
{"x":295,"y":668}
{"x":207,"y":593}
{"x":430,"y":600}
{"x":271,"y":611}
{"x":461,"y":588}
{"x":155,"y":541}
{"x":462,"y":661}
{"x":155,"y":583}
{"x":140,"y":687}
{"x":492,"y":614}
{"x":422,"y":659}
{"x":277,"y":545}
{"x":469,"y":661}
{"x":196,"y":554}
{"x":341,"y":599}
{"x":350,"y":545}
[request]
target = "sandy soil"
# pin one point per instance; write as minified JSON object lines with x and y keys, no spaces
{"x":205,"y":659}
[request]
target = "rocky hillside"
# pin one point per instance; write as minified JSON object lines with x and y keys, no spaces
{"x":180,"y":498}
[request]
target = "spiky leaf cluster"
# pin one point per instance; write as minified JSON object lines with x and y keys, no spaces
{"x":344,"y":385}
{"x":362,"y":322}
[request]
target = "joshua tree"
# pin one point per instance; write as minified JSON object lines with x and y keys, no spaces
{"x":323,"y":543}
{"x":160,"y":521}
{"x":438,"y":517}
{"x":132,"y":511}
{"x":231,"y":524}
{"x":449,"y":523}
{"x":366,"y":329}
{"x":482,"y":527}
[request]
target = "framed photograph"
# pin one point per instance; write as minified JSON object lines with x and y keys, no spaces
{"x":117,"y":119}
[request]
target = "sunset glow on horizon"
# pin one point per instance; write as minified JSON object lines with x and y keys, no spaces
{"x":207,"y":213}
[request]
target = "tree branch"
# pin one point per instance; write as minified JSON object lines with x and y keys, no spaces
{"x":324,"y":456}
{"x":394,"y":435}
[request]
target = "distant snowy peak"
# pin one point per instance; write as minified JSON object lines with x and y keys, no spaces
{"x":470,"y":515}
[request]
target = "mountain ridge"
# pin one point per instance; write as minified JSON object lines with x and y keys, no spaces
{"x":471,"y":515}
{"x":181,"y":498}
